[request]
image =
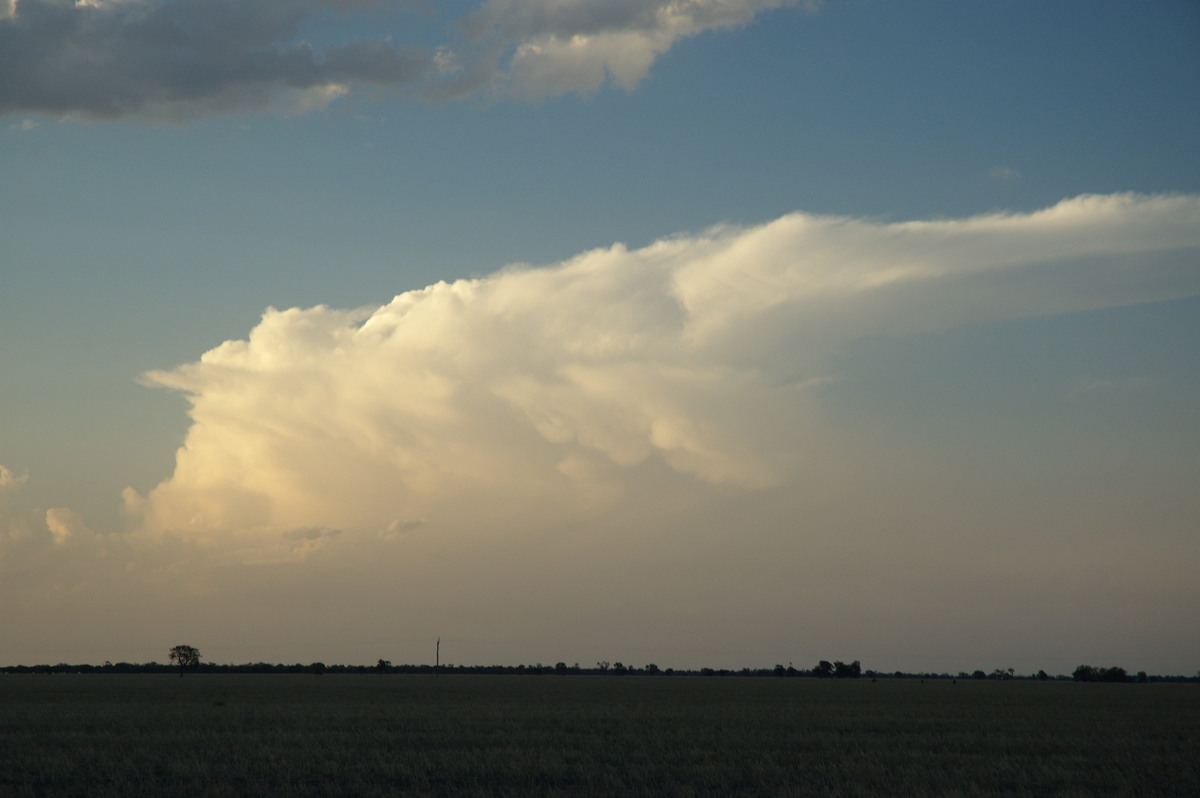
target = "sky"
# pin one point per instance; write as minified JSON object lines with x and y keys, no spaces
{"x":718,"y":333}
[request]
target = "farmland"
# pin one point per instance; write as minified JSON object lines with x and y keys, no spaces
{"x":212,"y":735}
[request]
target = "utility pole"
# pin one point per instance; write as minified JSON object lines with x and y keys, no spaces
{"x":437,"y":657}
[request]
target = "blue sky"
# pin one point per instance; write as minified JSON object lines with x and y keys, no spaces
{"x":138,"y":240}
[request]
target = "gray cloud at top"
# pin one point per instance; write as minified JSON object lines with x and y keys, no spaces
{"x":183,"y":59}
{"x":113,"y":58}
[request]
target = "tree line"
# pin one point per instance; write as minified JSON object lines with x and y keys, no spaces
{"x":187,"y":659}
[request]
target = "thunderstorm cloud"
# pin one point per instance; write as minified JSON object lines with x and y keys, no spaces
{"x":621,"y":377}
{"x":722,"y":447}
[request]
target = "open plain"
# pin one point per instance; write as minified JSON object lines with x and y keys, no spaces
{"x":213,"y":735}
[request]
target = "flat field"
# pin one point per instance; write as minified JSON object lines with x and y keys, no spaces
{"x":216,"y":735}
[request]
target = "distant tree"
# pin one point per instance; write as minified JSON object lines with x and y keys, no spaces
{"x":602,"y":665}
{"x":824,"y":669}
{"x":1141,"y":676}
{"x":383,"y":666}
{"x":560,"y":668}
{"x":1113,"y":674}
{"x":651,"y":669}
{"x":978,"y":675}
{"x":186,"y":657}
{"x":317,"y":668}
{"x":843,"y":671}
{"x":619,"y":669}
{"x":1042,"y":676}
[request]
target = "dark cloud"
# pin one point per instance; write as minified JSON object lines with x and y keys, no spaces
{"x":184,"y":58}
{"x":181,"y":59}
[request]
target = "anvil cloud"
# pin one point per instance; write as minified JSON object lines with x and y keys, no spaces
{"x":693,"y":364}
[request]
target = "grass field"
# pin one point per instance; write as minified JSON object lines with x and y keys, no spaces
{"x":206,"y":735}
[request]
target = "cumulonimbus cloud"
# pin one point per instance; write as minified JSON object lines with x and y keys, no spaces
{"x":180,"y":59}
{"x":619,"y":376}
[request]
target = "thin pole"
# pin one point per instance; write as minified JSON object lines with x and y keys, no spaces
{"x":437,"y":657}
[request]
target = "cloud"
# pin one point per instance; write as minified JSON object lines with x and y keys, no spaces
{"x":30,"y":531}
{"x":175,"y":60}
{"x":66,"y":525}
{"x":179,"y":60}
{"x":9,"y":483}
{"x":643,"y":378}
{"x":535,"y":48}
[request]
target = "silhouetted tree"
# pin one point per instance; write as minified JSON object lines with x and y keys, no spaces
{"x":1042,"y":676}
{"x":186,"y":657}
{"x":383,"y":666}
{"x":824,"y":669}
{"x":843,"y":671}
{"x":318,"y":668}
{"x":1114,"y":674}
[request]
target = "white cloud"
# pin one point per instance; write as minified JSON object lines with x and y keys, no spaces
{"x":9,"y":483}
{"x":666,"y":454}
{"x":537,"y":397}
{"x":554,"y":47}
{"x":66,"y":525}
{"x":29,"y":531}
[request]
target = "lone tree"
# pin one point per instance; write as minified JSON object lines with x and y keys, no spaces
{"x":186,"y":657}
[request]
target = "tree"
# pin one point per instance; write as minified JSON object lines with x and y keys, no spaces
{"x":186,"y":657}
{"x":843,"y":671}
{"x":824,"y":669}
{"x":383,"y":666}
